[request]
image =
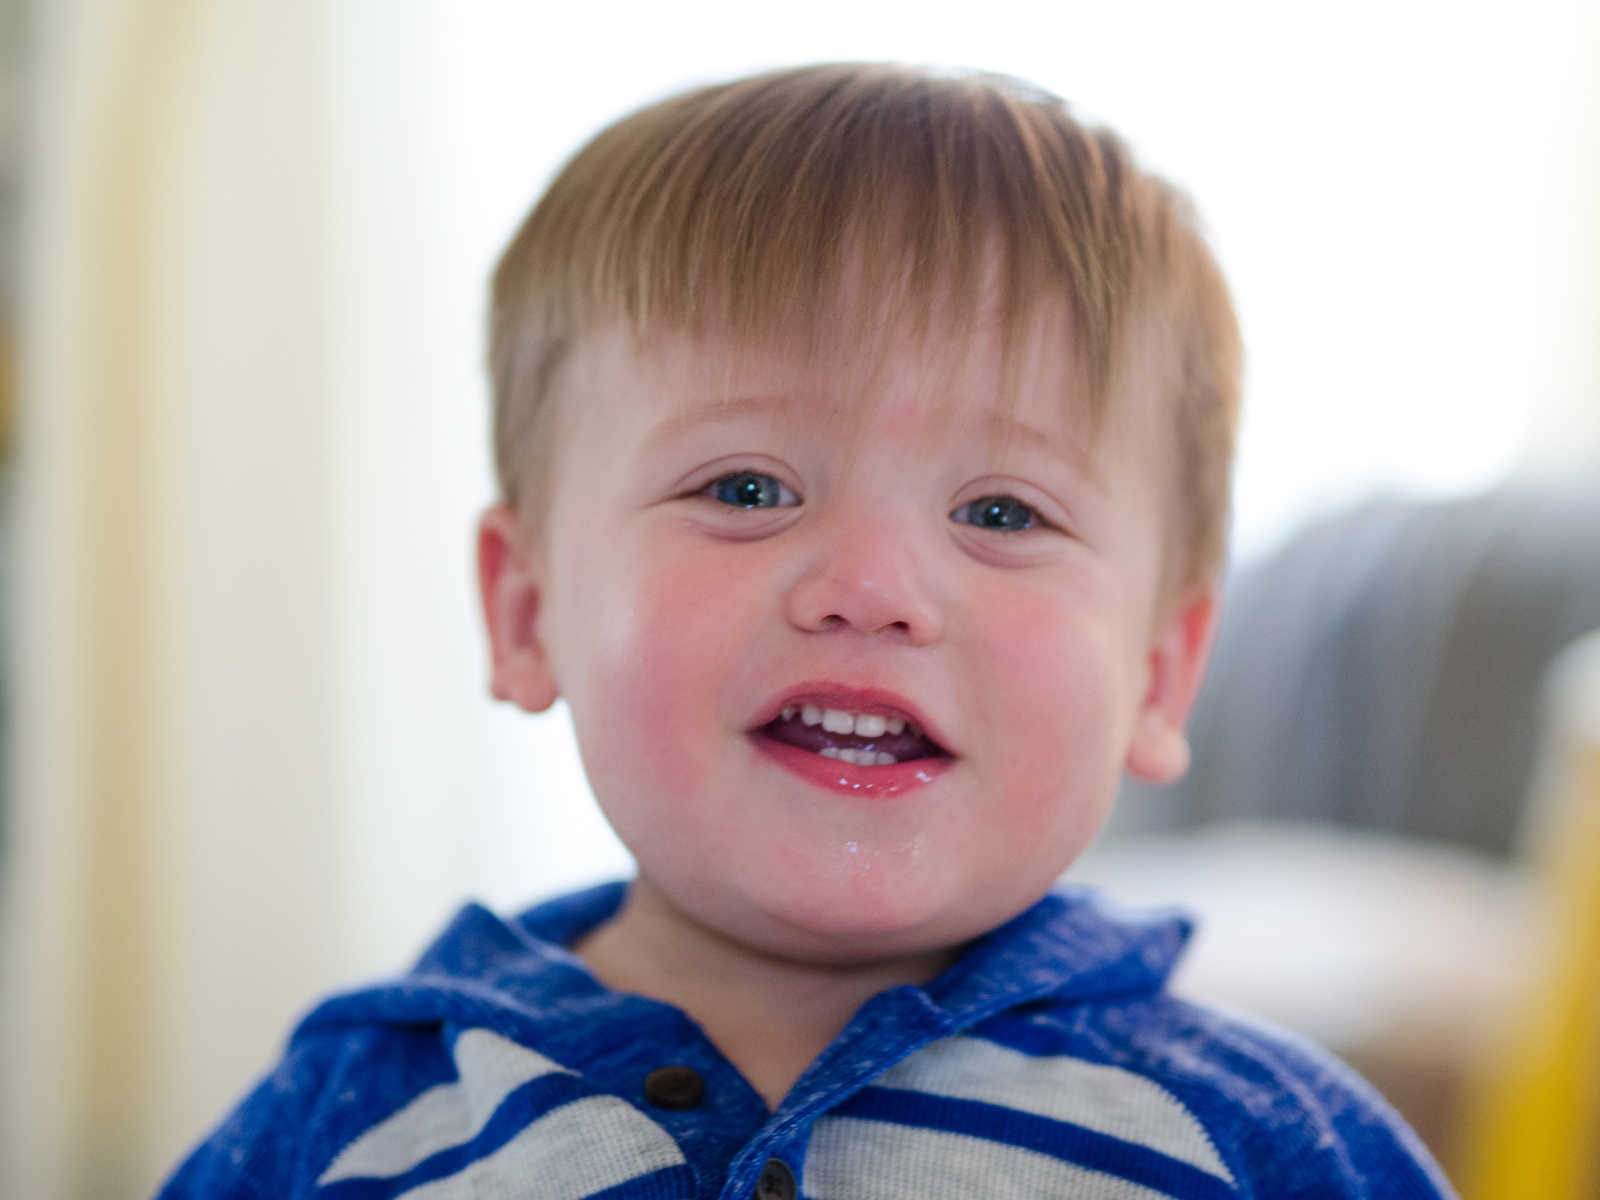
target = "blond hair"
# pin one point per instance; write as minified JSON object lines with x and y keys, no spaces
{"x":750,"y":207}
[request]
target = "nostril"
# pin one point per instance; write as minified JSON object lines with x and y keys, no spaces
{"x":834,"y":620}
{"x":897,"y":605}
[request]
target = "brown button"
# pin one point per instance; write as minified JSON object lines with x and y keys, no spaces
{"x":776,"y":1182}
{"x":676,"y":1088}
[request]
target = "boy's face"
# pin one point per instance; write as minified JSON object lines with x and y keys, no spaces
{"x":723,"y":550}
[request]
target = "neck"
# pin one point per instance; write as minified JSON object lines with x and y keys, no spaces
{"x":770,"y":1016}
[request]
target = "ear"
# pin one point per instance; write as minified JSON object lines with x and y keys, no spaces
{"x":511,"y":584}
{"x":1159,"y":751}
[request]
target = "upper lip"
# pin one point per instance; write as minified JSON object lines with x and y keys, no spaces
{"x":852,"y":698}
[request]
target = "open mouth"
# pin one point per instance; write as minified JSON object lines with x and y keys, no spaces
{"x":864,"y":739}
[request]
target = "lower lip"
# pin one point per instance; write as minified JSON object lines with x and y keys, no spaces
{"x":839,"y":776}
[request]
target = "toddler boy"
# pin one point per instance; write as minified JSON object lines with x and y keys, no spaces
{"x":864,"y":438}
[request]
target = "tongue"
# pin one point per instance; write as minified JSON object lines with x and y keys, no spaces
{"x":815,"y":738}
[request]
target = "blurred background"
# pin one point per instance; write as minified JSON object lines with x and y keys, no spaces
{"x":243,"y":439}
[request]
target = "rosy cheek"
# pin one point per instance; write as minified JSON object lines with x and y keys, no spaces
{"x":656,"y":658}
{"x":1042,"y":648}
{"x":1054,"y":678}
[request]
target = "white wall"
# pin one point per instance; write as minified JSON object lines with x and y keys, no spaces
{"x":174,"y":833}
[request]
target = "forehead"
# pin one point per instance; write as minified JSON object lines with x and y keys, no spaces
{"x":1009,"y":390}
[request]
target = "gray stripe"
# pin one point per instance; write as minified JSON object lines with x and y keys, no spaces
{"x":1105,"y":1099}
{"x":570,"y":1152}
{"x":489,"y":1068}
{"x":851,"y":1159}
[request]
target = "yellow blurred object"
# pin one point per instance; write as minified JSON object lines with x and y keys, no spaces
{"x":1534,"y":1120}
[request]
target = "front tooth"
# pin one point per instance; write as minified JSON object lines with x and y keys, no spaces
{"x":835,"y":721}
{"x":885,"y":760}
{"x":871,"y":725}
{"x":811,"y":715}
{"x":895,"y":724}
{"x":853,"y":757}
{"x":830,"y":752}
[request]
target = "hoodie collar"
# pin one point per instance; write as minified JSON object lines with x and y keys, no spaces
{"x":518,"y":974}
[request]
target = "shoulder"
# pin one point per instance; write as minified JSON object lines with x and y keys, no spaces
{"x":1284,"y":1118}
{"x":371,"y":1068}
{"x":329,"y":1084}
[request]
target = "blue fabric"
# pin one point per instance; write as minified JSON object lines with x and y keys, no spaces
{"x":1049,"y":1060}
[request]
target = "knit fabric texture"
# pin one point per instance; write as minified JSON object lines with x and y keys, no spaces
{"x":1049,"y":1061}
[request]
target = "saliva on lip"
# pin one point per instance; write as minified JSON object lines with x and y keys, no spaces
{"x":858,"y":784}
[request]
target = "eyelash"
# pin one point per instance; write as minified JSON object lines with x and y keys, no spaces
{"x":777,"y":491}
{"x":997,"y":505}
{"x":767,"y":491}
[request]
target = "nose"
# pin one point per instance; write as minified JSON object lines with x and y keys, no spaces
{"x":873,"y":577}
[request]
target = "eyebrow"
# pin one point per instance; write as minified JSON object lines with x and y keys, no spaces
{"x":1002,"y":428}
{"x":759,"y":404}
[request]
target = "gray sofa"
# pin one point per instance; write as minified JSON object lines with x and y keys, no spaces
{"x":1356,"y":829}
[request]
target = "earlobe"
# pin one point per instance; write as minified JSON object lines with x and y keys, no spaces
{"x":510,"y":586}
{"x":1159,"y":751}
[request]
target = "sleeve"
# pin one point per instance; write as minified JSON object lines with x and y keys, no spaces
{"x":1325,"y":1132}
{"x":1288,"y":1120}
{"x":261,"y":1148}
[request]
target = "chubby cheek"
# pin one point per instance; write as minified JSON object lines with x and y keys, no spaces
{"x":649,"y":702}
{"x":1057,"y":686}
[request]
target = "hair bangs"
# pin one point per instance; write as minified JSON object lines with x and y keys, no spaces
{"x":832,"y":210}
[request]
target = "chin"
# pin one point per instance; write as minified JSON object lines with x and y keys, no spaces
{"x":847,"y":927}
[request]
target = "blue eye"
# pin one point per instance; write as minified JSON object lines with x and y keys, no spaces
{"x":1004,"y":513}
{"x":751,"y":489}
